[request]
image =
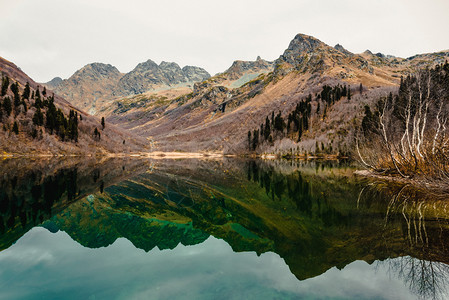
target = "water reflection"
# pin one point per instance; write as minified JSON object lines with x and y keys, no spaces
{"x":316,"y":216}
{"x":31,"y":191}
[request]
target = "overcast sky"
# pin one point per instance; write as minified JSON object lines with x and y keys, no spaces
{"x":49,"y":38}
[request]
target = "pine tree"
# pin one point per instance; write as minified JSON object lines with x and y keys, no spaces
{"x":7,"y":106}
{"x":51,"y":117}
{"x":102,"y":122}
{"x":37,"y":95}
{"x":279,"y":123}
{"x":267,"y":129}
{"x":249,"y":139}
{"x":15,"y":90}
{"x":73,"y":126}
{"x":26,"y":92}
{"x":349,"y":93}
{"x":5,"y":85}
{"x":44,"y":92}
{"x":255,"y":139}
{"x":38,"y":117}
{"x":97,"y":134}
{"x":15,"y":128}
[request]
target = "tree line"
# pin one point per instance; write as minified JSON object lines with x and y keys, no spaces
{"x":46,"y":116}
{"x":298,"y":121}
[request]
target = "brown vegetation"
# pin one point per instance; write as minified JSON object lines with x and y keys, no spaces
{"x":407,"y":133}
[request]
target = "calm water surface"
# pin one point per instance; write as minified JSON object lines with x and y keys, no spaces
{"x":227,"y":229}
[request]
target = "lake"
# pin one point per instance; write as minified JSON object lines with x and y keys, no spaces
{"x":216,"y":229}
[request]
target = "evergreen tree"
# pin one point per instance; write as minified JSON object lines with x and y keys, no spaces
{"x":349,"y":93}
{"x":38,"y":117}
{"x":15,"y":90}
{"x":15,"y":128}
{"x":255,"y":139}
{"x":279,"y":123}
{"x":51,"y":118}
{"x":249,"y":140}
{"x":5,"y":85}
{"x":37,"y":95}
{"x":7,"y":106}
{"x":361,"y":88}
{"x":73,"y":126}
{"x":102,"y":122}
{"x":267,"y":129}
{"x":26,"y":92}
{"x":34,"y":133}
{"x":368,"y":121}
{"x":25,"y":107}
{"x":44,"y":92}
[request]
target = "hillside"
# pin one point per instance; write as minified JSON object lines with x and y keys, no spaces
{"x":35,"y":121}
{"x":332,"y":84}
{"x":95,"y":85}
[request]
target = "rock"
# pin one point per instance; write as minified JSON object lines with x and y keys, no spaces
{"x":52,"y":84}
{"x":343,"y":50}
{"x":149,"y":76}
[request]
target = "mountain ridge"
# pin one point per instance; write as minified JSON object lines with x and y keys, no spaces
{"x":96,"y":83}
{"x":217,"y":116}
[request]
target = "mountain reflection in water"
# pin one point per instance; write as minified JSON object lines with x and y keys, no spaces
{"x":315,"y":215}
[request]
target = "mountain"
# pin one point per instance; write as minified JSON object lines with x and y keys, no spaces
{"x":94,"y":85}
{"x":52,"y":84}
{"x":148,"y":76}
{"x":242,"y":72}
{"x":91,"y":83}
{"x":316,"y":92}
{"x":35,"y":121}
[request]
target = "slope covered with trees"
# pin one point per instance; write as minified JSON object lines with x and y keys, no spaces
{"x":35,"y":121}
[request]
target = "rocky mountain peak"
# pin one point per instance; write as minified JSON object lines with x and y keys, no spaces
{"x":304,"y":53}
{"x":303,"y":44}
{"x":144,"y":66}
{"x":94,"y":71}
{"x":169,"y":65}
{"x":52,"y":84}
{"x":342,"y":49}
{"x":195,"y":74}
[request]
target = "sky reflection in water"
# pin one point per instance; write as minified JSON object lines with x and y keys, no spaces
{"x":53,"y":266}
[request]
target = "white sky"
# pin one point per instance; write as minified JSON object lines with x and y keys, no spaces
{"x":49,"y":38}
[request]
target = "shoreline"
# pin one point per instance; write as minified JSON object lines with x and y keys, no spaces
{"x":418,"y":184}
{"x":173,"y":155}
{"x":153,"y":155}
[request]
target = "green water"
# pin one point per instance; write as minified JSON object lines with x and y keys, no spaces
{"x":225,"y":229}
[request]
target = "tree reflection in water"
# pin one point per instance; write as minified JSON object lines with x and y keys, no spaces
{"x":425,"y":222}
